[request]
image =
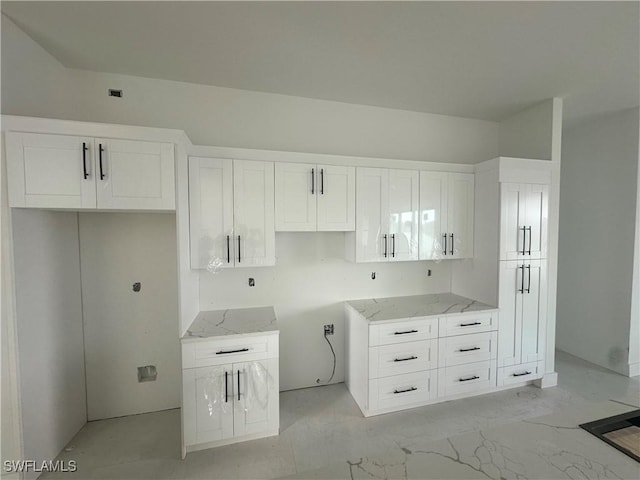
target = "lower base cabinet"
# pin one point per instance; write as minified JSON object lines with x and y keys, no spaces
{"x":407,"y":363}
{"x":230,"y":402}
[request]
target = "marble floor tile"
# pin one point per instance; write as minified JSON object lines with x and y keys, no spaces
{"x":519,"y":433}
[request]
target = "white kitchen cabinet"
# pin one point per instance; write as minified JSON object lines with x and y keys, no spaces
{"x":63,"y":171}
{"x":446,"y":215}
{"x":523,"y":222}
{"x":231,"y":218}
{"x":253,"y":213}
{"x":311,"y":198}
{"x":225,"y":403}
{"x":230,"y":378}
{"x":386,"y":215}
{"x":134,"y":175}
{"x":211,"y":211}
{"x":523,"y":306}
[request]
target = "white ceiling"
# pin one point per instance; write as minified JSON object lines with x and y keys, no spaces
{"x":478,"y":59}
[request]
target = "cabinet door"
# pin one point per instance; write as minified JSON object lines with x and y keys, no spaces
{"x":372,"y":201}
{"x":336,"y":198}
{"x":512,"y":220}
{"x":208,"y":402}
{"x":134,"y":175}
{"x":257,"y":406}
{"x":460,"y":205}
{"x":433,"y":209}
{"x":403,"y":215}
{"x":211,"y":211}
{"x":523,"y":221}
{"x":510,"y":301}
{"x":535,"y":219}
{"x":534,"y":307}
{"x":295,"y":197}
{"x":253,"y":208}
{"x":50,"y":171}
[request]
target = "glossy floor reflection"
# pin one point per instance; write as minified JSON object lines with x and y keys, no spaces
{"x":519,"y":433}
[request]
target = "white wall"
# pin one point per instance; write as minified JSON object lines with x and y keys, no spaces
{"x":49,"y":328}
{"x":35,"y":84}
{"x":596,"y":246}
{"x":124,"y":329}
{"x":634,"y":329}
{"x":528,"y":134}
{"x":306,"y":287}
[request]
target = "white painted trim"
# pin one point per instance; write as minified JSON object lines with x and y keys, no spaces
{"x":91,"y":129}
{"x":634,"y":370}
{"x":549,"y":380}
{"x":229,"y":441}
{"x":325,"y":159}
{"x":8,"y":280}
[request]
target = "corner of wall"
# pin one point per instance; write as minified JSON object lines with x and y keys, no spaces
{"x":529,"y":134}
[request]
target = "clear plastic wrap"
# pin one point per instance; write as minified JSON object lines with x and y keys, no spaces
{"x":215,"y":265}
{"x":214,"y":394}
{"x":258,"y":383}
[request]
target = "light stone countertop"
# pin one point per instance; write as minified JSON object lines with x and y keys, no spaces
{"x":236,"y":321}
{"x":435,"y":304}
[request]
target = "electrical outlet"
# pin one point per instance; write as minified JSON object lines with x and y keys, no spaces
{"x":428,"y":272}
{"x":328,"y":329}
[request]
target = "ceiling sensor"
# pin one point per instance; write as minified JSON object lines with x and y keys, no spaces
{"x":115,"y":93}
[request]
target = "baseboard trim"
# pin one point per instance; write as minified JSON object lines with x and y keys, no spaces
{"x":549,"y":380}
{"x":634,"y":370}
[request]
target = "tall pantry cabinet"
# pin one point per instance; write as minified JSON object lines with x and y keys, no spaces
{"x":522,"y":295}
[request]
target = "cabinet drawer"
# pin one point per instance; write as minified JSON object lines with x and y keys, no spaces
{"x":461,"y":349}
{"x":468,"y":323}
{"x":467,"y":378}
{"x":386,"y":360}
{"x":403,"y":331}
{"x":401,"y":390}
{"x":235,"y":349}
{"x":520,"y":373}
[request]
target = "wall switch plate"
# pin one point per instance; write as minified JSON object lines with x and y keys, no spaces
{"x":328,"y":329}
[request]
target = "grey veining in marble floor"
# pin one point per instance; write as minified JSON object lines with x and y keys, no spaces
{"x":519,"y":433}
{"x":435,"y":304}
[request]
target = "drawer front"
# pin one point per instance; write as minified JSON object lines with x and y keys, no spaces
{"x":229,"y":350}
{"x":468,"y":323}
{"x":469,"y":378}
{"x":403,"y":331}
{"x":461,"y":349}
{"x":400,"y":358}
{"x":520,"y":373}
{"x":402,"y":390}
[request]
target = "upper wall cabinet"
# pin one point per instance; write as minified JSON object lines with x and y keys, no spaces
{"x":231,"y":206}
{"x":61,"y":171}
{"x":446,"y":215}
{"x":311,"y":198}
{"x":524,"y":212}
{"x":387,"y":215}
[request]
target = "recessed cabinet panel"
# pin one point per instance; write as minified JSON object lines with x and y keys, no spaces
{"x":256,"y":407}
{"x":522,"y":300}
{"x":372,"y":206}
{"x":524,"y":212}
{"x":337,"y":197}
{"x":403,"y":215}
{"x":211,"y":211}
{"x":50,"y":171}
{"x":134,"y":175}
{"x":295,"y":200}
{"x":433,"y":212}
{"x":460,"y":202}
{"x":254,"y":232}
{"x":210,"y":403}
